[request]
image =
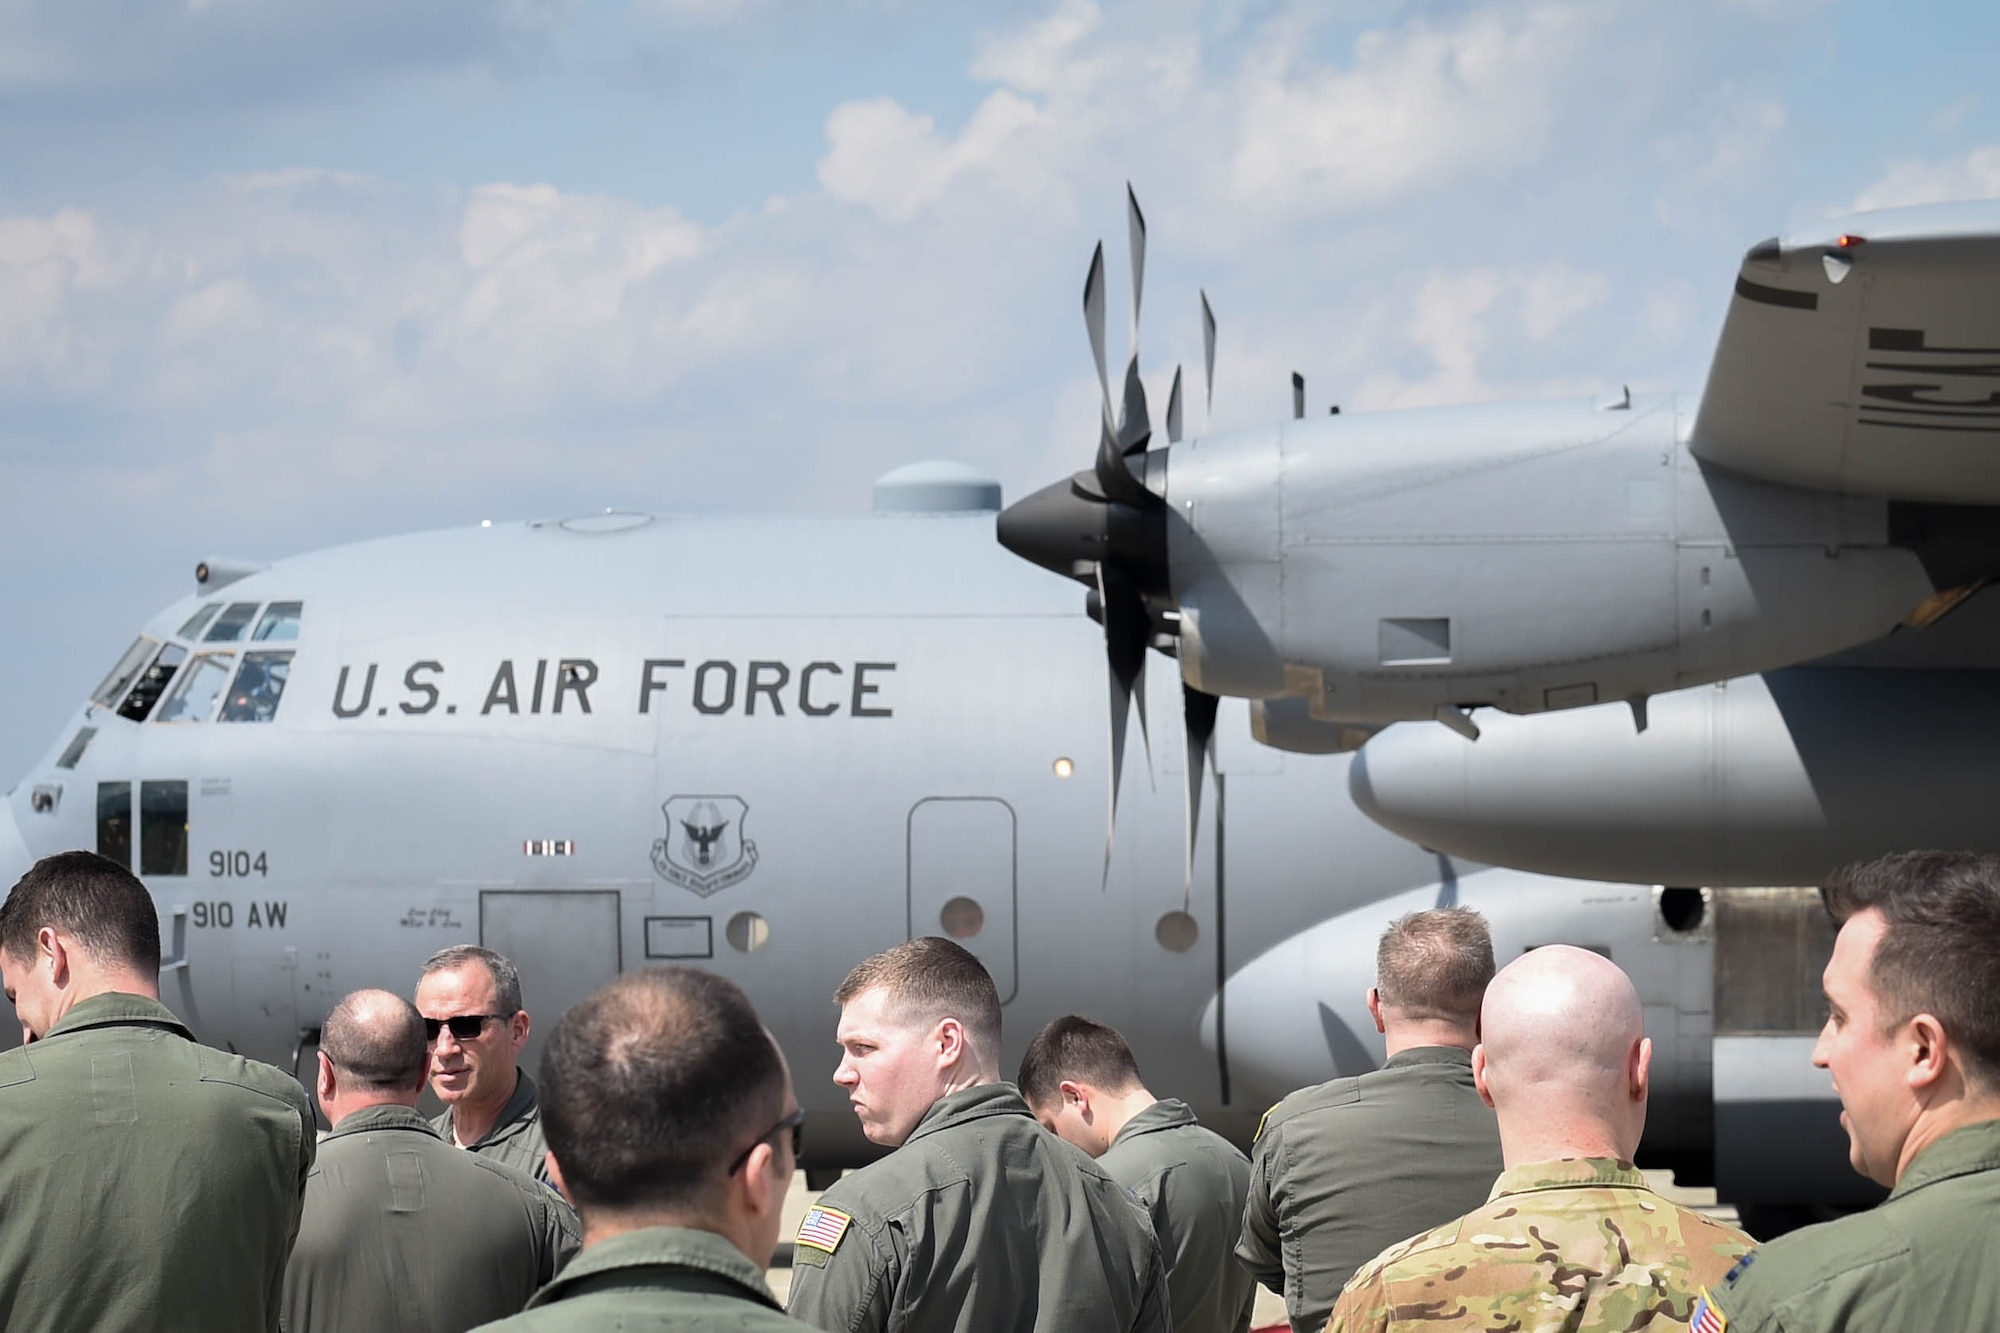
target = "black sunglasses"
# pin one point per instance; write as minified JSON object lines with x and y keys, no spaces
{"x":795,"y":1122}
{"x":463,"y":1026}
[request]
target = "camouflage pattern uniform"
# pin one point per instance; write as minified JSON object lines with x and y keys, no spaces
{"x":1579,"y":1245}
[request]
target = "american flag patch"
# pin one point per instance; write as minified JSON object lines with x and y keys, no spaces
{"x":823,"y":1228}
{"x":1706,"y":1318}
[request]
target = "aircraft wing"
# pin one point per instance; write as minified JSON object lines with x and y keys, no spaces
{"x":1864,"y":358}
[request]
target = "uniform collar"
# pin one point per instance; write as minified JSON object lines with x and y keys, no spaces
{"x":1430,"y":1055}
{"x":520,"y":1108}
{"x":118,"y":1009}
{"x":1967,"y":1149}
{"x":1568,"y":1173}
{"x":1167,"y":1114}
{"x":967,"y":1104}
{"x":385,"y":1115}
{"x":614,"y":1261}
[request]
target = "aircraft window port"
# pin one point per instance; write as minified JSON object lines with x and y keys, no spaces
{"x":163,"y":828}
{"x":1177,"y":932}
{"x":116,"y":683}
{"x":962,"y":918}
{"x":198,"y":622}
{"x":747,"y":932}
{"x":114,"y":822}
{"x":46,"y":798}
{"x":152,"y":683}
{"x":1682,"y":909}
{"x":229,"y":626}
{"x":260,"y":684}
{"x":193,"y":698}
{"x":280,"y":623}
{"x":80,"y":742}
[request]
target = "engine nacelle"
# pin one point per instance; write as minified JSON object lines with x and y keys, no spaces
{"x":1287,"y":723}
{"x":1528,"y":556}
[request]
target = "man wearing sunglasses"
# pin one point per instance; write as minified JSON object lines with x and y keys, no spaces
{"x":471,"y":1002}
{"x":401,"y":1230}
{"x":674,"y":1128}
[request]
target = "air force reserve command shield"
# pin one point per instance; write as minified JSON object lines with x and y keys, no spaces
{"x":705,"y":851}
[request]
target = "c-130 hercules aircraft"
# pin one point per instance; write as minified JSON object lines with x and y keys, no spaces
{"x":771,"y":746}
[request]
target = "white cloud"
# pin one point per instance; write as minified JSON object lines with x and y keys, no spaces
{"x":1973,"y":175}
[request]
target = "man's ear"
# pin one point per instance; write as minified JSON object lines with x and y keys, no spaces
{"x":49,"y":947}
{"x":555,"y":1177}
{"x":1077,"y":1095}
{"x":1642,"y":1069}
{"x":758,"y":1182}
{"x":324,"y":1086}
{"x":517,"y":1029}
{"x":1929,"y":1049}
{"x":1479,"y":1073}
{"x":1375,"y":1008}
{"x":951,"y":1042}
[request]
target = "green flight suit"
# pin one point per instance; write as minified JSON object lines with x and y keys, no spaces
{"x":402,"y":1231}
{"x":516,"y":1137}
{"x":1194,"y":1183}
{"x":1924,"y":1258}
{"x":982,"y":1222}
{"x":147,"y":1182}
{"x":660,"y":1279}
{"x":1343,"y":1169}
{"x":1580,"y":1244}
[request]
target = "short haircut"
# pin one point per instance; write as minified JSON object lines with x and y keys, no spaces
{"x":1074,"y":1048}
{"x":1434,"y":965}
{"x":1940,"y":953}
{"x":506,"y":977}
{"x":377,"y":1039}
{"x":930,"y":979}
{"x":93,"y":900}
{"x":649,"y":1087}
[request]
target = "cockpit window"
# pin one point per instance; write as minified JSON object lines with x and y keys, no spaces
{"x":193,"y":697}
{"x":229,"y":626}
{"x":198,"y":621}
{"x":115,"y":684}
{"x":152,"y":683}
{"x":259,"y":685}
{"x":280,"y":623}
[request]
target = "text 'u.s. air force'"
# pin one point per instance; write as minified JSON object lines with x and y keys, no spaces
{"x":573,"y":686}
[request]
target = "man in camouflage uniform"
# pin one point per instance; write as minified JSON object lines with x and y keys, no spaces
{"x":1912,"y":1038}
{"x":490,"y":1103}
{"x":978,"y":1222}
{"x":1082,"y":1083}
{"x":1571,"y":1238}
{"x":652,"y":1089}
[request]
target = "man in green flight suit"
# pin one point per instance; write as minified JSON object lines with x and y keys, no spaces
{"x":1912,"y":1038}
{"x":652,"y":1090}
{"x":401,"y":1230}
{"x":1342,"y":1169}
{"x":979,"y":1222}
{"x":1082,"y":1082}
{"x":150,"y":1183}
{"x":471,"y":1002}
{"x":1572,"y":1237}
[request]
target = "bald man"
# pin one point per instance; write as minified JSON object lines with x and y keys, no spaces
{"x":1571,"y":1236}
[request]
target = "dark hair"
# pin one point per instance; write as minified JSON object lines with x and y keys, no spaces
{"x":1073,"y":1047}
{"x":93,"y":900}
{"x":649,"y":1087}
{"x":377,"y":1039}
{"x":1940,"y":953}
{"x":930,"y":979}
{"x":506,"y":977}
{"x":1435,"y":965}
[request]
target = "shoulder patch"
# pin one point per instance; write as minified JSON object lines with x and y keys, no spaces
{"x":1736,"y":1269}
{"x":1705,"y":1318}
{"x":824,"y":1228}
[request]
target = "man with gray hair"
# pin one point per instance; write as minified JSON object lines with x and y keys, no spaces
{"x":401,"y":1230}
{"x":1340,"y":1170}
{"x":470,"y":999}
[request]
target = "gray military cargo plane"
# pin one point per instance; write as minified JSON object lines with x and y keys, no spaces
{"x":770,"y":746}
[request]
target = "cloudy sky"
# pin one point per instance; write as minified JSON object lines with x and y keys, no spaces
{"x":276,"y":275}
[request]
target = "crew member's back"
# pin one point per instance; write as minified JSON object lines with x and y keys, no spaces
{"x":149,"y":1182}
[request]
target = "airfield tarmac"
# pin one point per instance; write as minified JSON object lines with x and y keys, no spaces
{"x":1269,"y":1312}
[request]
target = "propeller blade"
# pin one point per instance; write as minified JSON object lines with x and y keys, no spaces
{"x":1298,"y":396}
{"x":1093,"y":320}
{"x":1128,"y":632}
{"x":1208,"y":358}
{"x":1135,"y":228}
{"x":1135,"y":427}
{"x":1198,"y":712}
{"x":1115,"y":478}
{"x":1174,"y":409}
{"x":1125,"y":663}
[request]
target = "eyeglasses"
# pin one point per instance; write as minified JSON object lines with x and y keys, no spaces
{"x":795,"y":1122}
{"x":463,"y":1026}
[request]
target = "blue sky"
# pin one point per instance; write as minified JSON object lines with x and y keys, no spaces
{"x":280,"y":275}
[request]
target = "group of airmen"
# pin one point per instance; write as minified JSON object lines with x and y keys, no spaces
{"x":1482,"y":1179}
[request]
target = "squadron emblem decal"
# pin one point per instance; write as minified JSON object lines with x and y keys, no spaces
{"x":705,"y":851}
